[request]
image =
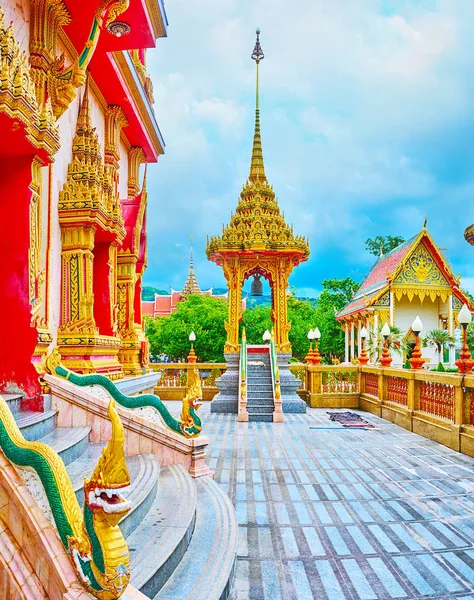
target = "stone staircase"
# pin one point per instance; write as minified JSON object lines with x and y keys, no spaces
{"x":177,"y":525}
{"x":260,"y":404}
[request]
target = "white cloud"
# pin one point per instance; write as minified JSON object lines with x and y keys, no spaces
{"x":367,"y":122}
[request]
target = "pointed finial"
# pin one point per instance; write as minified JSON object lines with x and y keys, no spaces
{"x":426,"y":222}
{"x":381,"y":250}
{"x":257,"y":169}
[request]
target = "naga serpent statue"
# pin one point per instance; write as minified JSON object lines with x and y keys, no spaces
{"x":189,"y":425}
{"x":92,"y":537}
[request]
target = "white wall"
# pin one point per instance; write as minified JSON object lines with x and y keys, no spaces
{"x":67,"y":128}
{"x":428,"y":311}
{"x":19,"y":12}
{"x":123,"y":173}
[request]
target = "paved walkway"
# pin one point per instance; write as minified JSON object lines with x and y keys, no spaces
{"x":344,"y":514}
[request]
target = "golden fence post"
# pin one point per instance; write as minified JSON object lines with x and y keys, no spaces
{"x":316,"y":386}
{"x":458,"y":405}
{"x":382,"y":389}
{"x":411,"y":392}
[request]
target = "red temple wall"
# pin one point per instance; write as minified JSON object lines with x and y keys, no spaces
{"x":18,"y":336}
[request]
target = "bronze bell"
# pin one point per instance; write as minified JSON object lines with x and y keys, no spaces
{"x":257,"y":286}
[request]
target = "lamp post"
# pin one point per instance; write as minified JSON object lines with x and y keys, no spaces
{"x":465,"y":363}
{"x":363,"y":356}
{"x":192,"y":355}
{"x":386,"y":359}
{"x":267,"y":336}
{"x":309,"y":356}
{"x":416,"y":361}
{"x":316,"y":355}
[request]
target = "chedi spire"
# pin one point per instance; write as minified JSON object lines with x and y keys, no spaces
{"x":257,"y":168}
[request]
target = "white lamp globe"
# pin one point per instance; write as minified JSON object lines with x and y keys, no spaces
{"x":385,"y":330}
{"x":310,"y":334}
{"x":267,"y":336}
{"x":464,"y":316}
{"x":417,"y":325}
{"x":192,"y":336}
{"x":317,"y":333}
{"x":364,"y":333}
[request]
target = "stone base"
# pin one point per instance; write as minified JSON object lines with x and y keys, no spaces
{"x":289,"y":384}
{"x":226,"y":400}
{"x":88,"y":354}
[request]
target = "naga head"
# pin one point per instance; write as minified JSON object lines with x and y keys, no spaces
{"x":103,"y":491}
{"x":191,"y":424}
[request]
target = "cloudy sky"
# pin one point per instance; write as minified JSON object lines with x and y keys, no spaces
{"x":367,"y":110}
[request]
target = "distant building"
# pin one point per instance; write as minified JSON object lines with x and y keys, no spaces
{"x":413,"y":279}
{"x":164,"y":305}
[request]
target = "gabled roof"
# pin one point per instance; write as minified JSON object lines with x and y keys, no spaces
{"x":389,"y":266}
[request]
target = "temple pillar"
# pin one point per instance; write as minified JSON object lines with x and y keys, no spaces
{"x":352,"y":341}
{"x":346,"y":342}
{"x":235,"y":281}
{"x":375,"y":338}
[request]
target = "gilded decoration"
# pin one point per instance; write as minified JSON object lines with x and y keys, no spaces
{"x":88,"y":207}
{"x":133,"y":353}
{"x":136,"y":157}
{"x":142,"y":73}
{"x":89,"y":194}
{"x":421,"y":277}
{"x":90,"y":535}
{"x":53,"y":79}
{"x":383,"y":300}
{"x":18,"y":98}
{"x":258,"y":241}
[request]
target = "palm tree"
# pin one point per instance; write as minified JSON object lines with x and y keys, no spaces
{"x":438,"y":338}
{"x":394,"y":340}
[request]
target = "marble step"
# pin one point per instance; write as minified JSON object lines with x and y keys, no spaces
{"x":13,"y":401}
{"x":207,"y":569}
{"x":252,"y":399}
{"x":144,"y":472}
{"x":257,"y":386}
{"x":267,"y":418}
{"x":35,"y":425}
{"x":264,"y":394}
{"x":69,"y":442}
{"x":161,"y":540}
{"x":260,"y":409}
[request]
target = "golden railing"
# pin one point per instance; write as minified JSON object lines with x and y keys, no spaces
{"x":439,"y":406}
{"x":172,"y":383}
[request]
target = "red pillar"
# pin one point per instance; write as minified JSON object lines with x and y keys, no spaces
{"x":18,"y":338}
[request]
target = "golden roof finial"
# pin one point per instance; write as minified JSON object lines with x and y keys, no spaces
{"x":257,"y":168}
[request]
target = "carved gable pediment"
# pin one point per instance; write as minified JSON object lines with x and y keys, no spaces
{"x":421,"y":269}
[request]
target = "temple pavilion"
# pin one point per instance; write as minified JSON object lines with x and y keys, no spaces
{"x":163,"y":305}
{"x":412,"y":279}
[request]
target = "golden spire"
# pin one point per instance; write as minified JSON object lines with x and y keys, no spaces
{"x":257,"y":168}
{"x":191,"y":286}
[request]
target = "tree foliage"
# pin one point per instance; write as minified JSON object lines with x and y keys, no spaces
{"x":440,"y":339}
{"x":336,"y":293}
{"x":386,"y":243}
{"x":206,"y":317}
{"x":203,"y":315}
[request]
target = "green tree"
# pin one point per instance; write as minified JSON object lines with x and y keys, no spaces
{"x":256,"y":320}
{"x":439,"y":339}
{"x":384,"y":243}
{"x":336,"y":293}
{"x":203,"y":315}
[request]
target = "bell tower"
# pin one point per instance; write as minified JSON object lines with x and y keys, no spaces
{"x":257,"y":242}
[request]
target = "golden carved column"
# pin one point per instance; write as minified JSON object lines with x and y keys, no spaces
{"x":77,"y":300}
{"x":233,"y":273}
{"x":136,"y":157}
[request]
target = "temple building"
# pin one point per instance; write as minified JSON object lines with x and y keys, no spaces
{"x":412,"y":279}
{"x":163,"y":305}
{"x":77,"y":123}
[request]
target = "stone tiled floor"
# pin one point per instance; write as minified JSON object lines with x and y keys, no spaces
{"x":340,"y":514}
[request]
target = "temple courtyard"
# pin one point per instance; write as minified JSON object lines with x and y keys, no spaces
{"x":332,"y":513}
